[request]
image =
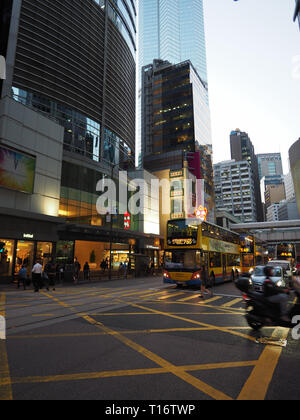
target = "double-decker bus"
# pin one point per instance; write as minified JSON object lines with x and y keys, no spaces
{"x":248,"y":253}
{"x":191,"y":243}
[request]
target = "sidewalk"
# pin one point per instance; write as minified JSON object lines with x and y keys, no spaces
{"x":12,"y":287}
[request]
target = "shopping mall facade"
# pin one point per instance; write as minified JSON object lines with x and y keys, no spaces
{"x":67,"y":115}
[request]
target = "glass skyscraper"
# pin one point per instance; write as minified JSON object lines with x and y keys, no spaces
{"x":173,"y":30}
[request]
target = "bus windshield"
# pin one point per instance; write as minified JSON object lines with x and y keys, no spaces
{"x":178,"y":229}
{"x":183,"y":260}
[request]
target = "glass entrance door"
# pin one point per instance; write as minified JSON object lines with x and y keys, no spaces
{"x":24,"y":256}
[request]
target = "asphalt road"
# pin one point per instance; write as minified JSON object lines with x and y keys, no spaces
{"x":139,"y":340}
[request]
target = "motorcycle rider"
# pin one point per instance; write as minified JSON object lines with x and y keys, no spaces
{"x":275,"y":294}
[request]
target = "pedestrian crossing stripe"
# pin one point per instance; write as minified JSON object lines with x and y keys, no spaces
{"x":189,"y":298}
{"x":171,"y":295}
{"x":232,"y":303}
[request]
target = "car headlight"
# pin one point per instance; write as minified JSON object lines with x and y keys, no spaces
{"x":279,"y":283}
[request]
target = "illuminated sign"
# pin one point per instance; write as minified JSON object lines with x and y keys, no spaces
{"x":28,"y":236}
{"x":127,"y":221}
{"x":201,"y":213}
{"x":177,"y":193}
{"x":177,"y":216}
{"x":245,"y":250}
{"x":182,"y":242}
{"x":176,"y":174}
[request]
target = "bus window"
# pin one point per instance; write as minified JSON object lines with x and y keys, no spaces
{"x":233,"y":260}
{"x":247,"y":260}
{"x":215,"y":259}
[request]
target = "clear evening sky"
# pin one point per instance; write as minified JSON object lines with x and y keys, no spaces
{"x":253,"y":50}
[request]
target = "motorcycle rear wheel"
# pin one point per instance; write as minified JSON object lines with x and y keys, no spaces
{"x":255,"y":324}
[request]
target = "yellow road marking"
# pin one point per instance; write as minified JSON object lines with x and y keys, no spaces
{"x":257,"y":386}
{"x":171,"y":295}
{"x":231,"y":303}
{"x":222,"y":329}
{"x":125,"y":332}
{"x":189,"y":298}
{"x":198,"y":384}
{"x":5,"y":380}
{"x":123,"y":373}
{"x":214,"y":299}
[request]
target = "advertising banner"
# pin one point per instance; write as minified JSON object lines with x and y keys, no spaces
{"x":17,"y":170}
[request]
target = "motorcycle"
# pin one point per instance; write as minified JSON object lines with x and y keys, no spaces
{"x":261,"y":312}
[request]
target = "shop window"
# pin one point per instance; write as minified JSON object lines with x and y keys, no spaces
{"x":44,"y":252}
{"x":24,"y":256}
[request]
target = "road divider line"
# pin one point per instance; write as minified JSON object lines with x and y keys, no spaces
{"x":169,"y":295}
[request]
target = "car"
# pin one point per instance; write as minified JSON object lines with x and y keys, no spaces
{"x":258,"y":278}
{"x":287,"y":267}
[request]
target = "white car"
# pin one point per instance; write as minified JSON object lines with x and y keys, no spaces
{"x":258,"y":278}
{"x":287,"y":268}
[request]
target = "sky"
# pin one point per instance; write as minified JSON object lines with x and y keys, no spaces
{"x":253,"y":51}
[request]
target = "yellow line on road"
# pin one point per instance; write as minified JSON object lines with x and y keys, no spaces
{"x":186,"y":377}
{"x":189,"y":298}
{"x":5,"y":380}
{"x":124,"y":373}
{"x":191,"y":321}
{"x":214,"y":299}
{"x":169,"y":295}
{"x":257,"y":386}
{"x":231,"y":303}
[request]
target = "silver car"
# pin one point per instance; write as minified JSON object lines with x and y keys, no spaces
{"x":258,"y":278}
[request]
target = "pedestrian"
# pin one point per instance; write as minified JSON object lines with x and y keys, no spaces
{"x":22,"y":277}
{"x":52,"y":274}
{"x":37,"y":276}
{"x":204,"y":283}
{"x":77,"y":268}
{"x":103,"y":266}
{"x":86,"y":271}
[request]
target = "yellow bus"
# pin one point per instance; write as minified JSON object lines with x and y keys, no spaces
{"x":191,"y":243}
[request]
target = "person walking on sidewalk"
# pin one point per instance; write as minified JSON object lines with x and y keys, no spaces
{"x":22,"y":277}
{"x":86,"y":272}
{"x":37,"y":276}
{"x":204,"y":283}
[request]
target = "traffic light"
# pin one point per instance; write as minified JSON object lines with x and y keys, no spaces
{"x":2,"y":247}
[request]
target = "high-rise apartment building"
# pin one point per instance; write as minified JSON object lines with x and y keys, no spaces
{"x":235,"y":190}
{"x":242,"y":149}
{"x":269,"y":164}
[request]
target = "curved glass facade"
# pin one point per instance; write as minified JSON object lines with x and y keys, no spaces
{"x":123,"y":14}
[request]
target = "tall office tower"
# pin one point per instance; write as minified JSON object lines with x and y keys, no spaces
{"x":269,"y":164}
{"x":234,"y":190}
{"x":68,"y":113}
{"x":242,"y":149}
{"x":171,"y":30}
{"x":176,"y":129}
